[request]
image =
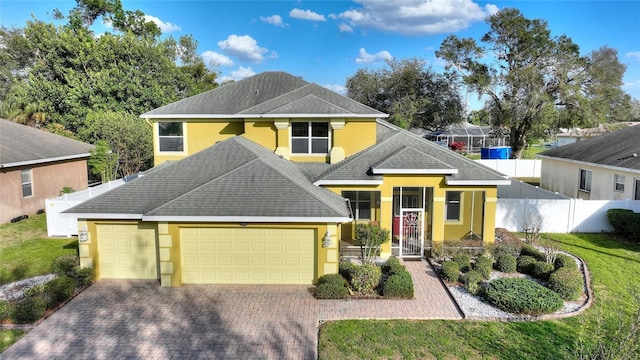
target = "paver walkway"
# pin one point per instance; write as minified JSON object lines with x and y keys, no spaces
{"x":141,"y":320}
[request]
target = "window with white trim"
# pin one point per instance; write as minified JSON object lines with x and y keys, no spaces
{"x":171,"y":136}
{"x":585,"y":180}
{"x":27,"y":185}
{"x":452,"y":205}
{"x":636,"y":190}
{"x":360,"y":203}
{"x":618,"y":183}
{"x":310,"y":137}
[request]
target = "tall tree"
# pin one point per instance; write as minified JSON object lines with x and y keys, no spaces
{"x":536,"y":82}
{"x":410,"y":92}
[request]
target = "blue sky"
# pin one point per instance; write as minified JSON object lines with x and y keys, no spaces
{"x":327,"y":41}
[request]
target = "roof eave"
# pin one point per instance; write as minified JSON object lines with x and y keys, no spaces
{"x":247,"y":219}
{"x":261,"y":116}
{"x":379,"y":171}
{"x":347,"y":182}
{"x":71,"y":214}
{"x":579,"y":162}
{"x":44,"y":161}
{"x":478,"y":182}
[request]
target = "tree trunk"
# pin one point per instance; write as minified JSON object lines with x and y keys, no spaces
{"x":518,"y":143}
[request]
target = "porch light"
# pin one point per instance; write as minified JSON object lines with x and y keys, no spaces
{"x":83,"y":235}
{"x":326,"y":240}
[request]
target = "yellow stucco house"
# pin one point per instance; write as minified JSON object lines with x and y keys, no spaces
{"x":261,"y":181}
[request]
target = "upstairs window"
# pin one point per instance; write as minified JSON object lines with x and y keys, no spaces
{"x":171,"y":136}
{"x":585,"y":180}
{"x":310,"y":137}
{"x":27,"y":188}
{"x":618,"y":183}
{"x":452,"y":205}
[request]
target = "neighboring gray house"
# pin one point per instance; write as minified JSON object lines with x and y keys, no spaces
{"x":606,"y":167}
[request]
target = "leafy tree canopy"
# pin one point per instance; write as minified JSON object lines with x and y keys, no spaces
{"x":410,"y":92}
{"x":536,"y":82}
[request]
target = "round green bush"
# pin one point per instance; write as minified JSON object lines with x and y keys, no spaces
{"x":464,"y":261}
{"x":335,"y":279}
{"x":331,"y":291}
{"x":65,"y":265}
{"x":525,"y":264}
{"x":365,"y":278}
{"x":346,"y":269}
{"x":28,"y":310}
{"x":567,"y":282}
{"x":506,"y":263}
{"x":530,"y":250}
{"x":59,"y":290}
{"x":398,"y":285}
{"x":35,"y":290}
{"x":507,"y":249}
{"x":450,"y":270}
{"x":563,"y":260}
{"x":541,"y":270}
{"x":4,"y":310}
{"x":393,"y":266}
{"x":522,"y":296}
{"x":84,"y":277}
{"x":472,"y":280}
{"x":484,"y":265}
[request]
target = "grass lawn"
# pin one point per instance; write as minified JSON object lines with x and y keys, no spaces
{"x":25,"y":250}
{"x":8,"y":337}
{"x":614,"y":267}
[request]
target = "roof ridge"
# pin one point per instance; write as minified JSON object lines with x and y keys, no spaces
{"x":411,"y":148}
{"x":274,"y":98}
{"x":313,"y":96}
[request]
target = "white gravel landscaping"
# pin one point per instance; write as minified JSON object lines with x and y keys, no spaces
{"x":15,"y":290}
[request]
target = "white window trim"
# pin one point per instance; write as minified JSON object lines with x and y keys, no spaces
{"x":619,"y":180}
{"x":587,"y":171}
{"x":22,"y":184}
{"x":460,"y":207}
{"x":157,"y":138}
{"x":310,"y":138}
{"x":355,"y":208}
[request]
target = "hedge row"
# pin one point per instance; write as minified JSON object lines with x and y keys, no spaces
{"x":625,"y":222}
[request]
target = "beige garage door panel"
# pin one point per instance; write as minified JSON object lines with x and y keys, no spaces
{"x":247,"y":256}
{"x":126,"y":252}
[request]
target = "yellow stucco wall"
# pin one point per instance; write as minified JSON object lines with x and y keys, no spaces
{"x":356,"y":135}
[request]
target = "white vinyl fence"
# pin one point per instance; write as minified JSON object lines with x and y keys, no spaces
{"x":57,"y":225}
{"x":560,"y":215}
{"x":514,"y":167}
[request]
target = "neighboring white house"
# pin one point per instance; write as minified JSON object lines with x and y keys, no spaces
{"x":576,"y":134}
{"x":606,"y":167}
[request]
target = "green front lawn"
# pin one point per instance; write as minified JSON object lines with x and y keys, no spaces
{"x":8,"y":337}
{"x":614,"y":267}
{"x":25,"y":250}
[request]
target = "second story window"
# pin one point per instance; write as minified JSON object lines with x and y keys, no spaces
{"x":171,"y":136}
{"x":310,"y":137}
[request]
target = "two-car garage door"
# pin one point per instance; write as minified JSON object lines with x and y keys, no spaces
{"x":247,"y":256}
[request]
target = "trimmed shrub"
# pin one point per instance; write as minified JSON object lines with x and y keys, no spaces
{"x":530,"y":250}
{"x":484,"y":265}
{"x":4,"y":310}
{"x":565,"y":261}
{"x":567,"y":282}
{"x":346,"y":269}
{"x":365,"y":278}
{"x":450,"y":270}
{"x":525,"y":264}
{"x":331,"y":291}
{"x":84,"y":277}
{"x":522,"y":296}
{"x":625,"y":222}
{"x":541,"y":270}
{"x":506,"y":263}
{"x":334,"y":279}
{"x":65,"y":265}
{"x":463,"y":261}
{"x":393,"y":266}
{"x":398,"y":285}
{"x":35,"y":290}
{"x":472,"y":280}
{"x":28,"y":310}
{"x":59,"y":290}
{"x":512,"y":249}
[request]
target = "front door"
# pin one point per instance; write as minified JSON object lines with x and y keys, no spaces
{"x":411,"y":230}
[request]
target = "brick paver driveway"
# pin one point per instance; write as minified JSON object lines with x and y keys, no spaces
{"x":141,"y":320}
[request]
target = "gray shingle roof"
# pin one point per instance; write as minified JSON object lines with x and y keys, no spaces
{"x":266,"y":94}
{"x":611,"y":149}
{"x":24,"y":145}
{"x":234,"y":178}
{"x":411,"y":152}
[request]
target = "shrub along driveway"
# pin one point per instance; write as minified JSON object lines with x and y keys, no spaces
{"x":140,"y":320}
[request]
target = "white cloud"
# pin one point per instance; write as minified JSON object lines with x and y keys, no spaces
{"x":364,"y":57}
{"x":273,"y":20}
{"x":416,"y":17}
{"x":244,"y":48}
{"x":216,"y":59}
{"x":306,"y":15}
{"x":634,"y":55}
{"x":165,"y":27}
{"x":340,"y":89}
{"x":238,"y":74}
{"x":345,"y":28}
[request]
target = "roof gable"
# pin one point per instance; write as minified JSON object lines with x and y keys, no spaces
{"x":409,"y":160}
{"x":23,"y":145}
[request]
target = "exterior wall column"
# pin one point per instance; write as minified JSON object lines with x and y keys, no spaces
{"x":328,"y":253}
{"x":337,"y":151}
{"x":165,"y":245}
{"x":85,"y":252}
{"x":437,"y":226}
{"x":386,"y":219}
{"x":282,"y":145}
{"x":489,"y":224}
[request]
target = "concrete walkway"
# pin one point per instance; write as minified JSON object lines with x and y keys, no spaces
{"x":141,"y":320}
